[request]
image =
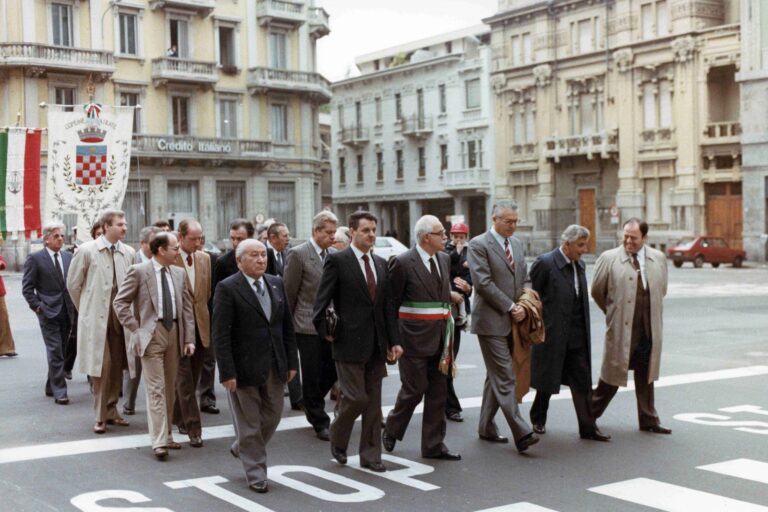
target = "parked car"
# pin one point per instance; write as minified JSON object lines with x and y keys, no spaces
{"x":388,"y":247}
{"x":211,"y":248}
{"x":705,"y":249}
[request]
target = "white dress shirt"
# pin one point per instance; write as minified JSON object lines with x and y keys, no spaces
{"x":359,"y":255}
{"x":425,"y":257}
{"x":317,"y":248}
{"x":53,"y":259}
{"x":575,"y":271}
{"x":500,"y":239}
{"x":158,"y":276}
{"x":189,"y":268}
{"x":252,"y":282}
{"x":641,"y":260}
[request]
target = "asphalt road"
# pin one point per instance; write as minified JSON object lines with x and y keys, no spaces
{"x":712,"y":394}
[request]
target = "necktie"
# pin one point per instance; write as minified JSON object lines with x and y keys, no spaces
{"x":369,"y":278}
{"x":189,"y":260}
{"x":636,"y":265}
{"x":435,"y":274}
{"x":323,"y":254}
{"x":114,"y":269}
{"x":58,"y":266}
{"x":167,"y":300}
{"x":264,"y":300}
{"x":508,"y":254}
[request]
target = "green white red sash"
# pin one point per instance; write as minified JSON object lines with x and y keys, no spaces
{"x":433,"y":311}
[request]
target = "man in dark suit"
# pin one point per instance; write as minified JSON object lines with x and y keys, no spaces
{"x":45,"y":290}
{"x":226,"y":264}
{"x":278,"y":237}
{"x":256,"y":353}
{"x":421,"y":293}
{"x":303,"y":270}
{"x":565,"y":358}
{"x":356,"y":281}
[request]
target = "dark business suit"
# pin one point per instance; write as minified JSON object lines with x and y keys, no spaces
{"x":208,"y":370}
{"x":422,"y":342}
{"x":45,"y":290}
{"x":365,"y":330}
{"x":565,"y":357}
{"x":258,"y":352}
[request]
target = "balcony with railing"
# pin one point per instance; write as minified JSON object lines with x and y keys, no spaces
{"x":602,"y":145}
{"x":44,"y":57}
{"x":417,"y":127}
{"x":172,"y":69}
{"x":725,"y":132}
{"x":187,"y":146}
{"x":355,"y":136}
{"x":319,"y":25}
{"x":658,"y":139}
{"x":467,"y":179}
{"x":261,"y":79}
{"x":280,"y":11}
{"x":524,"y":152}
{"x":202,"y":7}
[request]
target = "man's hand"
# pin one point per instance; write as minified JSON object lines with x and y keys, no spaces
{"x":459,"y":246}
{"x":518,"y":313}
{"x":329,"y":338}
{"x":230,"y":385}
{"x":394,"y":353}
{"x":462,"y":284}
{"x":291,"y":375}
{"x":456,"y":298}
{"x":189,"y":349}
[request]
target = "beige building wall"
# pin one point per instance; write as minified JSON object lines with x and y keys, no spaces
{"x":267,"y":171}
{"x":609,"y":110}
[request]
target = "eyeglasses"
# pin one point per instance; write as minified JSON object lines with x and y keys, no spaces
{"x":440,"y":234}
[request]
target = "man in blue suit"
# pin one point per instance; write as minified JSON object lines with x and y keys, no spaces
{"x":44,"y":287}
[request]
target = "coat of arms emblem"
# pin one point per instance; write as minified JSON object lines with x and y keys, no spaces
{"x":91,"y":158}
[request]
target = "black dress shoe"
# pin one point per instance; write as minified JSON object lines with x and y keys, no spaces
{"x":297,"y":407}
{"x":388,"y":441}
{"x":539,"y":428}
{"x":340,"y":454}
{"x":657,"y":429}
{"x":596,"y":435}
{"x":444,"y":456}
{"x":129,"y":412}
{"x":378,"y":467}
{"x":526,"y":442}
{"x":182,"y":430}
{"x":454,"y":416}
{"x":323,"y":434}
{"x":210,"y":409}
{"x":48,"y":393}
{"x":260,"y":487}
{"x":62,"y":401}
{"x":494,"y":439}
{"x":195,"y":441}
{"x":68,"y":375}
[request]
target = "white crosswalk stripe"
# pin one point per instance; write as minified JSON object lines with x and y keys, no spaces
{"x":523,"y":506}
{"x":747,"y":469}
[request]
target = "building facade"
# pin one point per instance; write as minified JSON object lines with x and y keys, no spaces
{"x":413,"y":134}
{"x":753,"y":78}
{"x":609,"y":109}
{"x":228,"y":89}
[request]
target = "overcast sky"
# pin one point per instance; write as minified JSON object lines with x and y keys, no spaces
{"x":363,"y":26}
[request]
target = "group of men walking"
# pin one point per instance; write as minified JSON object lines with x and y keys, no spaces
{"x":340,"y":316}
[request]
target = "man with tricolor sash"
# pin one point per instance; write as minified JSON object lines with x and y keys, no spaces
{"x":421,"y":292}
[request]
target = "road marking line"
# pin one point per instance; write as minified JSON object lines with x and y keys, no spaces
{"x":747,"y":469}
{"x":523,"y":506}
{"x":109,"y":443}
{"x":672,"y":498}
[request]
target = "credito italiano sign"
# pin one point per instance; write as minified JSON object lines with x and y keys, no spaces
{"x":188,"y":146}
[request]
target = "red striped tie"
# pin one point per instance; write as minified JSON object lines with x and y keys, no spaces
{"x":508,"y":253}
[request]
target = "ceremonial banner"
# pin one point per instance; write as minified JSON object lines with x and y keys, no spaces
{"x":89,"y":155}
{"x":20,"y":181}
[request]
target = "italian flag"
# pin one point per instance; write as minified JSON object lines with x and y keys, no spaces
{"x":20,"y":181}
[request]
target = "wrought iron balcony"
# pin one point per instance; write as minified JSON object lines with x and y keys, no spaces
{"x":202,"y":7}
{"x":726,"y":132}
{"x":466,"y":179}
{"x":262,"y":79}
{"x":187,"y":146}
{"x":602,"y":144}
{"x":418,"y":127}
{"x":319,"y":25}
{"x":40,"y":58}
{"x":355,"y":136}
{"x":282,"y":11}
{"x":172,"y":69}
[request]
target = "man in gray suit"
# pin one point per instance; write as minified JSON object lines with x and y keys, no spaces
{"x":421,"y":294}
{"x":302,"y":273}
{"x":155,"y":306}
{"x":499,"y":273}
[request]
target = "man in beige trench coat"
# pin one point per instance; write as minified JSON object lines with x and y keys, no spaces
{"x":629,"y":285}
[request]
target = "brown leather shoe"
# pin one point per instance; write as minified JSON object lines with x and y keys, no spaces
{"x":160,"y":453}
{"x":120,"y":422}
{"x":173,"y":445}
{"x":100,"y":427}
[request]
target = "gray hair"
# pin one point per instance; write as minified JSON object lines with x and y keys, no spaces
{"x":147,"y":233}
{"x":319,"y":220}
{"x":573,"y":233}
{"x":242,"y":246}
{"x":506,"y":204}
{"x":425,"y":225}
{"x":342,"y":235}
{"x":52,"y":226}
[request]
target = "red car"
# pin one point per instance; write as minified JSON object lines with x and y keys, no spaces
{"x":705,"y":249}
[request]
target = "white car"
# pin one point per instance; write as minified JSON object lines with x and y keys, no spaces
{"x":388,"y":247}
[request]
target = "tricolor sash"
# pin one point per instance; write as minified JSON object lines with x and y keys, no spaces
{"x":426,"y":311}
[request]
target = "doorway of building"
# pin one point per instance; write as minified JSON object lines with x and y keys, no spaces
{"x":587,"y":214}
{"x":724,"y":213}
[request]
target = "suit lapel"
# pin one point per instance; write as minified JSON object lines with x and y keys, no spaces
{"x":421,"y":271}
{"x":499,"y":250}
{"x":356,"y":270}
{"x":247,"y":292}
{"x":65,"y":261}
{"x":154,"y":293}
{"x":445,"y":270}
{"x":199,"y":277}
